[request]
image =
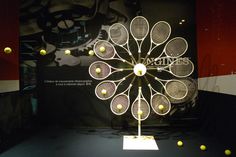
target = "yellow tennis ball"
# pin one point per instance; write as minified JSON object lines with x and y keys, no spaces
{"x":119,"y":106}
{"x":161,"y":107}
{"x":203,"y":147}
{"x":180,"y":143}
{"x":98,"y":70}
{"x":7,"y":50}
{"x":67,"y":52}
{"x":104,"y":91}
{"x":227,"y":152}
{"x":140,"y":71}
{"x":140,"y":112}
{"x":91,"y":53}
{"x":102,"y":49}
{"x":42,"y":52}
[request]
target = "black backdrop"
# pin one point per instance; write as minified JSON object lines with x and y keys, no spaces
{"x":65,"y":90}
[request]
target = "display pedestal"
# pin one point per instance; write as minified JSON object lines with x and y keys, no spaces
{"x":139,"y":143}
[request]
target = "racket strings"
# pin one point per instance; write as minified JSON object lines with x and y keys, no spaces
{"x":105,"y":90}
{"x":120,"y":104}
{"x":104,"y":50}
{"x":160,"y":104}
{"x":176,"y":47}
{"x":99,"y":70}
{"x":176,"y":89}
{"x":192,"y":91}
{"x":118,"y":34}
{"x":144,"y":107}
{"x":139,"y":28}
{"x":160,"y":32}
{"x":183,"y":67}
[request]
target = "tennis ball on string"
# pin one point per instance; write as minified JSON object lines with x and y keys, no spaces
{"x":140,"y":112}
{"x":104,"y":91}
{"x":91,"y":52}
{"x":98,"y":70}
{"x":42,"y":52}
{"x":180,"y":143}
{"x":203,"y":147}
{"x":7,"y":50}
{"x":228,"y":152}
{"x":119,"y":106}
{"x":67,"y":52}
{"x":161,"y":107}
{"x":102,"y":49}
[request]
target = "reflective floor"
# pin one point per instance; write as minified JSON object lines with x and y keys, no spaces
{"x":61,"y":142}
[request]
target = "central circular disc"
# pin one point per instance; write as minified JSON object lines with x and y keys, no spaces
{"x":140,"y":69}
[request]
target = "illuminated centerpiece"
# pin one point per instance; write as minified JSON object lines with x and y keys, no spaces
{"x":141,"y":73}
{"x":140,"y":69}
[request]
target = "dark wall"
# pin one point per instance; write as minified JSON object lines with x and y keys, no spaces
{"x":78,"y":105}
{"x":217,"y":116}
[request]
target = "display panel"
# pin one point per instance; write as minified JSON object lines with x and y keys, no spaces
{"x":59,"y":42}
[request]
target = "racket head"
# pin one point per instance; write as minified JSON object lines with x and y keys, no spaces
{"x":176,"y":47}
{"x":118,"y":34}
{"x":182,"y":67}
{"x":144,"y":107}
{"x":99,"y":70}
{"x":120,"y":100}
{"x":109,"y":50}
{"x":105,"y":90}
{"x":160,"y":104}
{"x":192,"y":91}
{"x":160,"y":32}
{"x":139,"y":27}
{"x":176,"y":89}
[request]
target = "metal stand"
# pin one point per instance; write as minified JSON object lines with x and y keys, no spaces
{"x":139,"y":142}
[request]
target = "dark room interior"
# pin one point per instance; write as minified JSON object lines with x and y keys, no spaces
{"x":86,"y":78}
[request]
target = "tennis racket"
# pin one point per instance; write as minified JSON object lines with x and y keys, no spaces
{"x":100,"y":70}
{"x":159,"y":34}
{"x":106,"y":51}
{"x":119,"y":35}
{"x":107,"y":88}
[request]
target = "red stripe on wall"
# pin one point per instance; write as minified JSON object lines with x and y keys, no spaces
{"x":216,"y":37}
{"x":9,"y":37}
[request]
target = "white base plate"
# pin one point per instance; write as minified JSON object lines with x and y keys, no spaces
{"x":139,"y":143}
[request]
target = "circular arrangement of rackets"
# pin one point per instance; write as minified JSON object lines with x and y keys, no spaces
{"x":139,"y":74}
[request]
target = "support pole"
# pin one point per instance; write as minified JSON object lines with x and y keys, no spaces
{"x":139,"y":111}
